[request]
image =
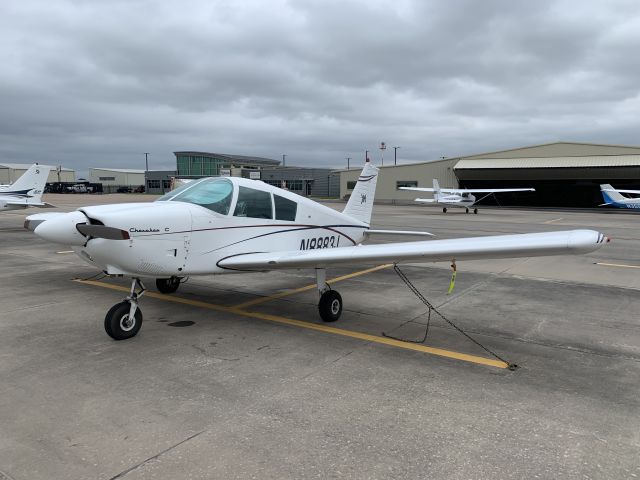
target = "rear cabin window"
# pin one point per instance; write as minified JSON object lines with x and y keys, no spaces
{"x":285,"y":209}
{"x":253,"y":203}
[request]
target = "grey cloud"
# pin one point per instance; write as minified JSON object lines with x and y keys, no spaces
{"x":98,"y":83}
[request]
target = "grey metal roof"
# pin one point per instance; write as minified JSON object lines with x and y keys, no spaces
{"x":118,"y":170}
{"x":234,"y":158}
{"x":25,"y":166}
{"x":592,"y":161}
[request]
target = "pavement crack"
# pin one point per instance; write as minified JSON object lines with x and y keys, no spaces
{"x":166,"y":450}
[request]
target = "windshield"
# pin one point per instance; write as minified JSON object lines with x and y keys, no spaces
{"x":212,"y":193}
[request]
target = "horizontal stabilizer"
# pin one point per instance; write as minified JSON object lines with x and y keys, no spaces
{"x":398,"y":232}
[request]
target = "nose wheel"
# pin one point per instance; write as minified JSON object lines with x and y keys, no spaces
{"x":124,"y":319}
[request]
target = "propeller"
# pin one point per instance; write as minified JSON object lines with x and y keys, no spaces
{"x":102,"y":231}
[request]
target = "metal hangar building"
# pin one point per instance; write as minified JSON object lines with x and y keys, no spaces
{"x":564,"y":174}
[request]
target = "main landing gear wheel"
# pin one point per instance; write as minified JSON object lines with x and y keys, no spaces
{"x":475,"y":210}
{"x":467,"y":210}
{"x":444,"y":210}
{"x":167,"y":285}
{"x":118,"y":323}
{"x":330,"y":306}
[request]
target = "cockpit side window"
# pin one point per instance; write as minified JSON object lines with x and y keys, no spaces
{"x":285,"y":209}
{"x":253,"y":203}
{"x":214,"y":194}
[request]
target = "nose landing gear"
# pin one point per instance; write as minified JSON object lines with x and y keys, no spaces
{"x":124,"y":319}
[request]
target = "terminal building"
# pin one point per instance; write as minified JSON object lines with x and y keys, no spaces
{"x":320,"y":182}
{"x":564,"y":174}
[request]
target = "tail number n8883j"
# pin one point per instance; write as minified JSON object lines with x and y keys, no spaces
{"x":330,"y":241}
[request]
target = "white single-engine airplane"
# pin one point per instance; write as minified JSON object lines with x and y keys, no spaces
{"x":227,"y":224}
{"x":613,"y":197}
{"x":459,"y":197}
{"x":27,"y":190}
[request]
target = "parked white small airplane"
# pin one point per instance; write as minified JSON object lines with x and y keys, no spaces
{"x":228,"y":224}
{"x":27,"y":190}
{"x":613,"y":197}
{"x":459,"y":197}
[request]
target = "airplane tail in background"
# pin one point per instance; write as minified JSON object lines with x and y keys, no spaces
{"x":30,"y":186}
{"x":360,"y":204}
{"x":436,"y":189}
{"x":610,"y":195}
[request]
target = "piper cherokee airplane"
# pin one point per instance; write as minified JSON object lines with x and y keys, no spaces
{"x":27,"y":190}
{"x":232,"y":225}
{"x":614,"y":198}
{"x":459,"y":197}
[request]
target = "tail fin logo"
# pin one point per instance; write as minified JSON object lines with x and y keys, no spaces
{"x":363,"y":198}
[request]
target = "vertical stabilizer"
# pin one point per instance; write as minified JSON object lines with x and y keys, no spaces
{"x":360,"y":204}
{"x":436,"y":189}
{"x":30,"y":185}
{"x":610,"y":195}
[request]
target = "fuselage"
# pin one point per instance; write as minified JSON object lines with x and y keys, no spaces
{"x":456,"y":200}
{"x":188,"y":233}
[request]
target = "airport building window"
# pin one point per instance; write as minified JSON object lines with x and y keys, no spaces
{"x":253,"y":203}
{"x":153,"y":183}
{"x":107,"y":179}
{"x":285,"y":209}
{"x":166,"y":184}
{"x":406,"y":183}
{"x":351,"y":185}
{"x":294,"y":185}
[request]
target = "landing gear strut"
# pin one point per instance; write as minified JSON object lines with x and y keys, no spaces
{"x":167,"y":285}
{"x":330,"y":304}
{"x":124,"y":319}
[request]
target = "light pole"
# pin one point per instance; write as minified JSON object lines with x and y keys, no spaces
{"x":146,"y":171}
{"x":395,"y":157}
{"x":284,"y":163}
{"x":348,"y":158}
{"x":382,"y":147}
{"x":366,"y":156}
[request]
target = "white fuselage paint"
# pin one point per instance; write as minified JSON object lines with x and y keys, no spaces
{"x":172,"y":238}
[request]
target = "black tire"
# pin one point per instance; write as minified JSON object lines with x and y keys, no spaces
{"x":467,"y":210}
{"x":475,"y":210}
{"x":444,"y":210}
{"x":167,"y":285}
{"x":116,"y":322}
{"x":330,"y":306}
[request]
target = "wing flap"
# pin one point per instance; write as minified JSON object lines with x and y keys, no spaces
{"x":500,"y":246}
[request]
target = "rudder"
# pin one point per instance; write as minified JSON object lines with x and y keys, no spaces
{"x":360,"y":204}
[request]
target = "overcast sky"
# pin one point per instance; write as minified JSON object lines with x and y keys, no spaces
{"x":97,"y":83}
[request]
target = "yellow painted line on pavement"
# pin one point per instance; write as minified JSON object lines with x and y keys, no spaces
{"x":286,"y":293}
{"x":311,"y":326}
{"x":554,"y":220}
{"x":620,"y":265}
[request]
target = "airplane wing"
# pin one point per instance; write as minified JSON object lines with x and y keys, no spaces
{"x":637,"y":192}
{"x":500,"y":246}
{"x":472,"y":190}
{"x":426,"y":200}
